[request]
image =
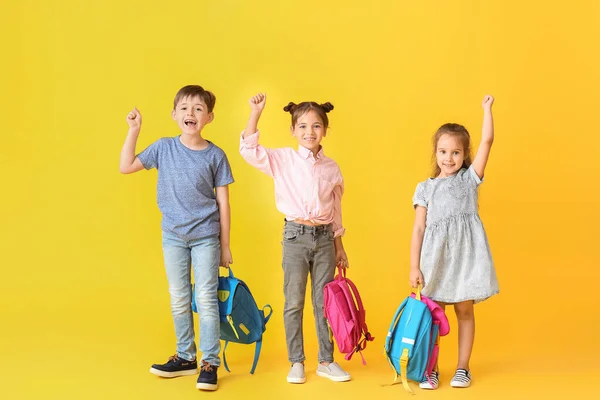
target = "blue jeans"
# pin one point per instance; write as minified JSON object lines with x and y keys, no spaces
{"x":204,"y":254}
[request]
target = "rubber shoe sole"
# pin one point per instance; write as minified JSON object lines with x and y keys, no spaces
{"x":175,"y":374}
{"x":206,"y":386}
{"x":334,"y":378}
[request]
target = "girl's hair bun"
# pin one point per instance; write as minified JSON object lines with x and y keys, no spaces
{"x":326,"y":106}
{"x":289,"y":107}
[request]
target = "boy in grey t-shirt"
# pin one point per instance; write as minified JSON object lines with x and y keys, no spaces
{"x":193,"y":197}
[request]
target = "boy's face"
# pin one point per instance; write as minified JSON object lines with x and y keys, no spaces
{"x":309,"y":130}
{"x":191,"y":114}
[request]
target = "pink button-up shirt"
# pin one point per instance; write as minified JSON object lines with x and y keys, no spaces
{"x":306,"y":187}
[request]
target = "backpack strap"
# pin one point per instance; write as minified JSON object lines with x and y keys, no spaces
{"x":404,"y":356}
{"x":403,"y":367}
{"x":257,"y":348}
{"x":225,"y":358}
{"x":194,"y":308}
{"x":258,"y":345}
{"x":361,"y":317}
{"x":393,"y":324}
{"x":433,"y":354}
{"x":388,"y":345}
{"x":359,"y":304}
{"x":354,"y":303}
{"x":270,"y":312}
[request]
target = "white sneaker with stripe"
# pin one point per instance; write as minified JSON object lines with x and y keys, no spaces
{"x":430,"y":382}
{"x":462,"y":379}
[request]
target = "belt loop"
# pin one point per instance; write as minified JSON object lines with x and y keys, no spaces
{"x":301,"y":229}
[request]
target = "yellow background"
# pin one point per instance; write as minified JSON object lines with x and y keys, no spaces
{"x":85,"y":307}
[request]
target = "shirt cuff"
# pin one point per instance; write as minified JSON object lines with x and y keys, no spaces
{"x":339,"y":232}
{"x":249,"y":141}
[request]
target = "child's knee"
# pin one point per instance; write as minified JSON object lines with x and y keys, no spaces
{"x":464,"y":310}
{"x":180,"y":300}
{"x":294,"y":304}
{"x":206,"y":298}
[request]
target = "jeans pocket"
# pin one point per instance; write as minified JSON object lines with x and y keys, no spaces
{"x":330,"y":235}
{"x":290,"y":235}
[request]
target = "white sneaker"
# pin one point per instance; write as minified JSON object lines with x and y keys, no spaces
{"x":462,"y":379}
{"x":334,"y":372}
{"x":430,"y":382}
{"x":296,"y":374}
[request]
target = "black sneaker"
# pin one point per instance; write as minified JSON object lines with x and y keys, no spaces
{"x":207,"y":380}
{"x":175,"y":367}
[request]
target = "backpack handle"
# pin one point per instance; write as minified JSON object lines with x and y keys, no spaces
{"x":417,"y":291}
{"x":341,"y":272}
{"x":230,"y":272}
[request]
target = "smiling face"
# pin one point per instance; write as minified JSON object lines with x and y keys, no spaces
{"x":450,"y":155}
{"x":191,"y":114}
{"x":309,"y":130}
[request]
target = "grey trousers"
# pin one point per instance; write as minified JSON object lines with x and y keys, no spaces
{"x":306,"y":249}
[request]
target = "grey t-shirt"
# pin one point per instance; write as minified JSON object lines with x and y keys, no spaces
{"x":186,"y":186}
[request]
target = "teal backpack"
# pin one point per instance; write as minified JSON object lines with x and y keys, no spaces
{"x":241,"y":321}
{"x":411,"y":346}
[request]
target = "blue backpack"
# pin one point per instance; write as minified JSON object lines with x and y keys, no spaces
{"x":241,"y":321}
{"x":412,"y":340}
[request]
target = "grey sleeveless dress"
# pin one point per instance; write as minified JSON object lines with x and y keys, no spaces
{"x":456,"y":260}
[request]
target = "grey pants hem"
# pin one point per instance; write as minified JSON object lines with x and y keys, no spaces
{"x":329,"y":360}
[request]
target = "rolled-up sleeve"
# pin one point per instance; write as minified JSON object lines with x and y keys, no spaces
{"x":338,"y":191}
{"x":255,"y":154}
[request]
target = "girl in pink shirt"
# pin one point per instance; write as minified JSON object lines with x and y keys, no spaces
{"x":308,"y":191}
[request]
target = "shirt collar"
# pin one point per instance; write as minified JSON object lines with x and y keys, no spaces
{"x":306,"y":153}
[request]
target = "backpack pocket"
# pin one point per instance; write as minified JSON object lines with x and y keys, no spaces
{"x":340,"y":319}
{"x":245,"y":324}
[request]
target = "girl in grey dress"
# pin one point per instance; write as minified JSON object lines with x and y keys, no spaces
{"x":450,"y":254}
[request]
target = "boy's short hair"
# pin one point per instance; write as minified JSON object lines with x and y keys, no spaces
{"x":193,"y":91}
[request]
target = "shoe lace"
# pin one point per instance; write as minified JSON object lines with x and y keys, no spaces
{"x":173,"y":358}
{"x":206,"y":367}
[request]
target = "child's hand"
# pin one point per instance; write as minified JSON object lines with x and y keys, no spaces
{"x":416,"y":277}
{"x":341,"y":259}
{"x":226,"y":257}
{"x":488,"y":100}
{"x":257,"y":103}
{"x":134,"y":119}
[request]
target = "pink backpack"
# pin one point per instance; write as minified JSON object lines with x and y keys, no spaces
{"x":345,"y":315}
